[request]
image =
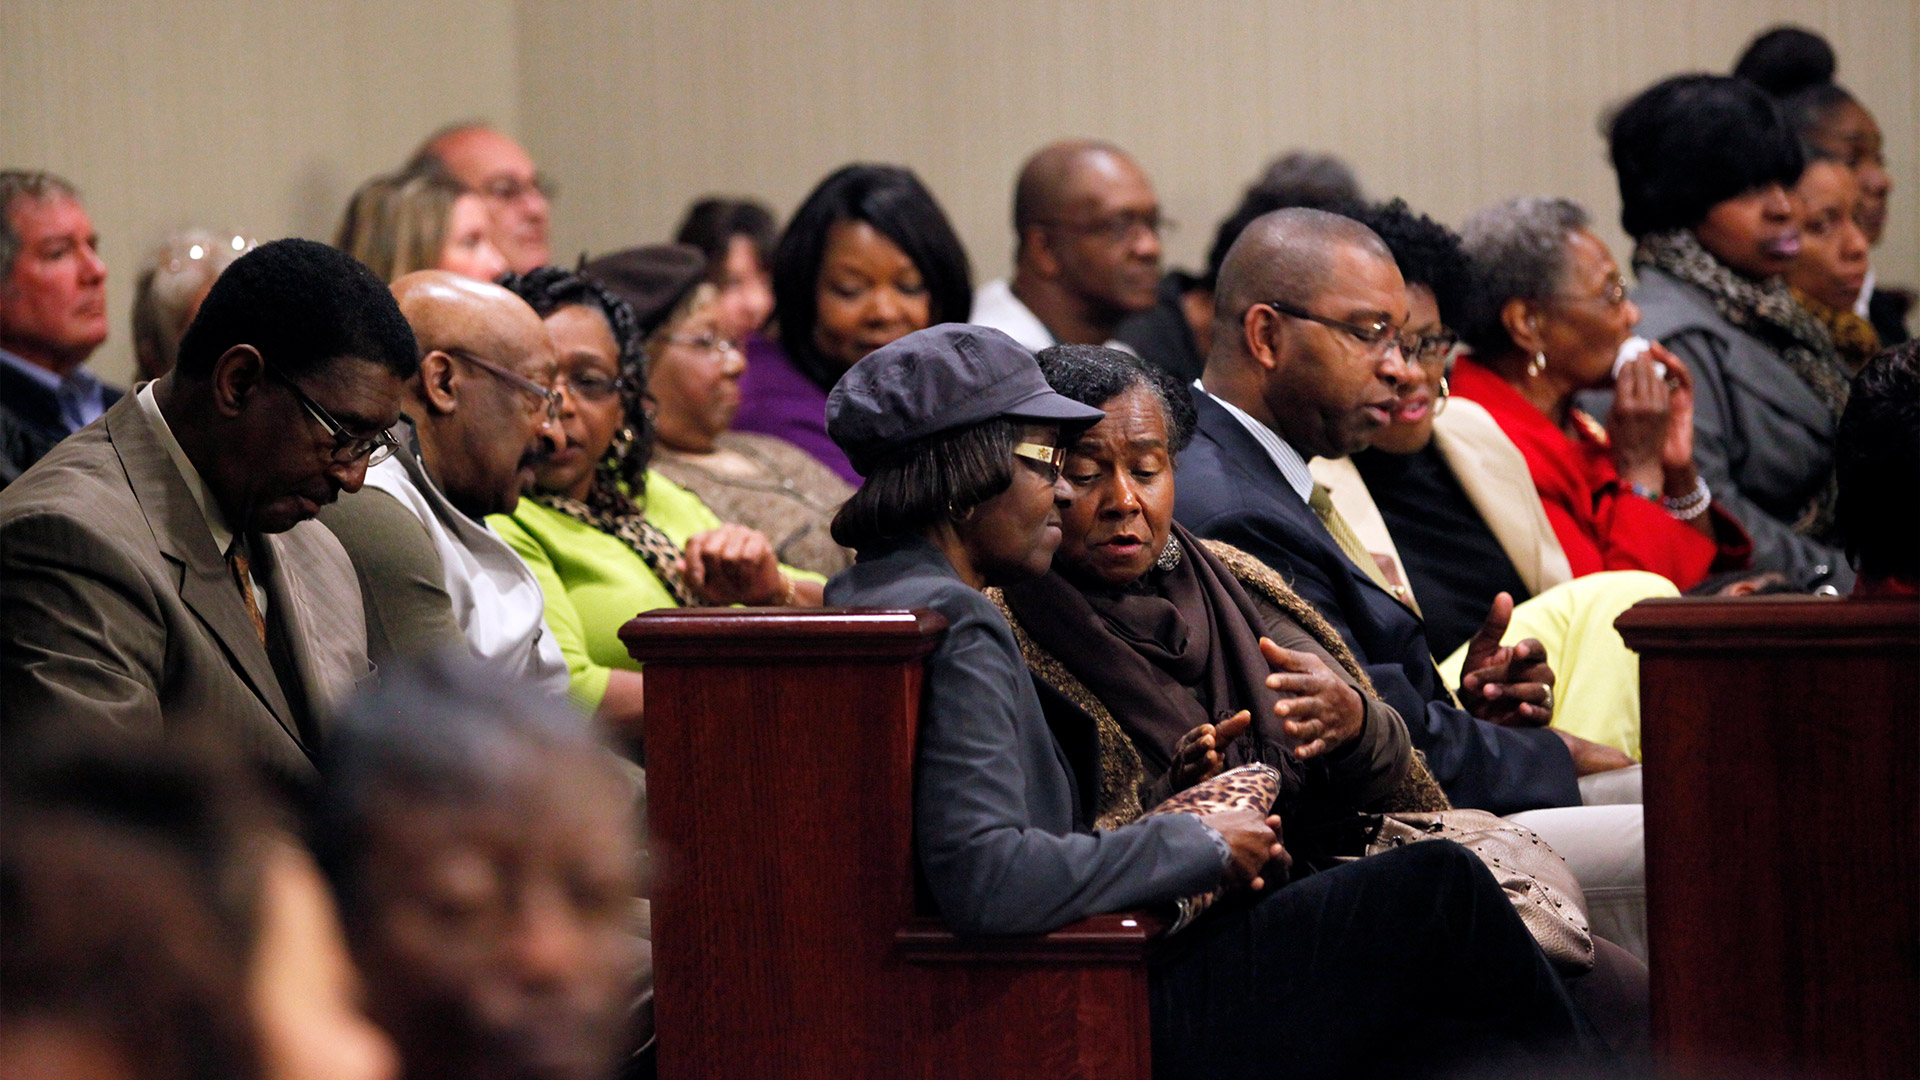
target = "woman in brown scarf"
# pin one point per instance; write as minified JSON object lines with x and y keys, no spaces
{"x":1184,"y":656}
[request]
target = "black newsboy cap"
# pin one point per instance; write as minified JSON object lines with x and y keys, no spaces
{"x":937,"y":380}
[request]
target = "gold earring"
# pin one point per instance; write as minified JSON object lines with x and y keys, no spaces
{"x":1537,"y":365}
{"x":1440,"y":404}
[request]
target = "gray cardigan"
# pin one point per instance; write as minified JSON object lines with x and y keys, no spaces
{"x":994,"y":800}
{"x":1761,"y":440}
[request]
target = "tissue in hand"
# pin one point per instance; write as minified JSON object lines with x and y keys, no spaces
{"x":1630,"y":350}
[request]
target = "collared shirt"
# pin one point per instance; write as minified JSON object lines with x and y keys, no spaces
{"x":79,"y":394}
{"x":203,"y":498}
{"x":995,"y":305}
{"x":1292,"y":466}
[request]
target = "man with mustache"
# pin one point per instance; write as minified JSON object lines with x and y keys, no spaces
{"x":53,"y":315}
{"x":480,"y":416}
{"x":159,"y":574}
{"x":1087,"y":249}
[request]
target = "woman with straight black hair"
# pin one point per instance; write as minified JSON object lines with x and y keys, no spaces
{"x":1705,"y":164}
{"x":868,"y":258}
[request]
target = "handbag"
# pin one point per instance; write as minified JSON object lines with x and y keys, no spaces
{"x":1534,"y":876}
{"x":1250,"y":787}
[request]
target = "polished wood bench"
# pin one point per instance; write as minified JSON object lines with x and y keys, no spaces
{"x":788,"y":937}
{"x":1782,"y":749}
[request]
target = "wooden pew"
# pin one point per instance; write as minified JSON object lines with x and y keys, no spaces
{"x":787,"y":937}
{"x":1782,"y":750}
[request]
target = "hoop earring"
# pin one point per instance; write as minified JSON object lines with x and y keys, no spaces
{"x":623,"y":442}
{"x":959,"y":515}
{"x":1537,"y":365}
{"x":1440,"y":403}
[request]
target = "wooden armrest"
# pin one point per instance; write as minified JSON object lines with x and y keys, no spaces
{"x":1120,"y":938}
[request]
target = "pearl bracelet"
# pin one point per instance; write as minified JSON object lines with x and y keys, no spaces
{"x":1691,"y":505}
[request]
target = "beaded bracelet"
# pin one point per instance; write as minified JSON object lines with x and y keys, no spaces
{"x":1691,"y":505}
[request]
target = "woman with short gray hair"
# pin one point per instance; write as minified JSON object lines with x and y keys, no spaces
{"x":1546,"y":317}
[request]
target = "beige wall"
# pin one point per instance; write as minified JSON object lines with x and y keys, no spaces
{"x":265,"y":115}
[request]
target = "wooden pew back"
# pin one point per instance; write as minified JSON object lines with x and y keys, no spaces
{"x":1781,"y":738}
{"x":779,"y":752}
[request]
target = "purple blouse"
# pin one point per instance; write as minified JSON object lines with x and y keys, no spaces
{"x":777,"y":399}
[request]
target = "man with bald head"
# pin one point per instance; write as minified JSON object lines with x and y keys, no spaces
{"x":479,"y":417}
{"x":1087,"y":249}
{"x":1304,"y":362}
{"x":490,"y":164}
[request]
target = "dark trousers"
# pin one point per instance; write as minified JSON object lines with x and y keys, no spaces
{"x":1408,"y":963}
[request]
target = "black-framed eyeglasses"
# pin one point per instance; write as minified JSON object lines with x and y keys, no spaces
{"x":1119,"y":228}
{"x":1052,"y":457}
{"x":546,"y":394}
{"x":347,"y":447}
{"x":512,"y":189}
{"x":706,"y":343}
{"x":1379,"y":336}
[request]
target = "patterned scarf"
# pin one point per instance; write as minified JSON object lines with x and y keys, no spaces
{"x":1854,"y":338}
{"x":609,"y":509}
{"x":1767,"y":310}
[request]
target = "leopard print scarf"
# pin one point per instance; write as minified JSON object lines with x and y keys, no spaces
{"x":1767,"y":310}
{"x":1854,"y":338}
{"x":609,"y":509}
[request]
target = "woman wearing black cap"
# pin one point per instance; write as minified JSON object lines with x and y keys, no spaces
{"x":1390,"y":966}
{"x":605,"y":535}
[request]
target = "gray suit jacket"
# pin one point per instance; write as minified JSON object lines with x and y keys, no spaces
{"x":1761,"y":440}
{"x":994,"y":802}
{"x":119,"y":613}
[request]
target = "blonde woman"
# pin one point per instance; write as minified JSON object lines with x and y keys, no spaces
{"x":406,"y":222}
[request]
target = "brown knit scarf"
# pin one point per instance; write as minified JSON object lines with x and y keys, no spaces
{"x":609,"y":509}
{"x":1854,"y":338}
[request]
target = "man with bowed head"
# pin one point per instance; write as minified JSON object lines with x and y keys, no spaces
{"x":1087,"y":249}
{"x":53,"y":315}
{"x":490,"y":164}
{"x":159,"y":575}
{"x":482,"y":414}
{"x":1304,"y":361}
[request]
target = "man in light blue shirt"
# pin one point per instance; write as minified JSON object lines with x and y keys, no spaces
{"x":53,"y":315}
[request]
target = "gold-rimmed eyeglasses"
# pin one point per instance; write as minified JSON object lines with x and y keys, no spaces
{"x":1053,"y":457}
{"x":549,"y":397}
{"x":347,"y":447}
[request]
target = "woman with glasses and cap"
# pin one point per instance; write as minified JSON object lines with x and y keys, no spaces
{"x":1546,"y":318}
{"x":1391,"y":965}
{"x":693,"y":383}
{"x":606,"y":536}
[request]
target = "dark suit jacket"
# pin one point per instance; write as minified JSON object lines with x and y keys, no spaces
{"x":1230,"y":490}
{"x":117,"y":613}
{"x":30,"y":422}
{"x":999,"y":823}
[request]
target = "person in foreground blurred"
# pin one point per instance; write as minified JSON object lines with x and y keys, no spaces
{"x":173,"y":283}
{"x":481,"y":416}
{"x":736,"y":236}
{"x":420,"y":221}
{"x":1545,"y":318}
{"x":159,"y":573}
{"x":693,"y":378}
{"x":604,"y":535}
{"x":156,"y":923}
{"x":1705,"y":165}
{"x":867,"y":258}
{"x":53,"y":315}
{"x":485,"y":853}
{"x":1878,"y":458}
{"x":1832,"y":266}
{"x":961,"y":441}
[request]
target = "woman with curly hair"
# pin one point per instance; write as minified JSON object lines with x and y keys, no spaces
{"x":605,"y":535}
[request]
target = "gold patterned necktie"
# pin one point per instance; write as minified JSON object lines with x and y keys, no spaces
{"x":242,"y":572}
{"x":1322,"y":503}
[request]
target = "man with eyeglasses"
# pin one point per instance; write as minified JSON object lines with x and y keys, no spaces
{"x":488,"y":163}
{"x":1305,"y":362}
{"x":480,"y":417}
{"x":1087,"y":249}
{"x":159,"y":572}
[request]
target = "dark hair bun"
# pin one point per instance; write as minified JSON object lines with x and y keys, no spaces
{"x":1786,"y":60}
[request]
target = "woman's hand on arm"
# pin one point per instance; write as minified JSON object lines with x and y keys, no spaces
{"x":1253,"y":842}
{"x":1318,"y":708}
{"x":1200,"y":753}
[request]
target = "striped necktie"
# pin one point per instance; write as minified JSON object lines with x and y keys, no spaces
{"x":242,"y":572}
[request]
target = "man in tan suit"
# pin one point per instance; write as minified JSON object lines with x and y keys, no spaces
{"x":159,"y":572}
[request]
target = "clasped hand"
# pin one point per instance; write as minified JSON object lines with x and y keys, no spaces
{"x":734,"y":565}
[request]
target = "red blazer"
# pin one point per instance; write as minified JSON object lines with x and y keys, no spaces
{"x":1601,"y":523}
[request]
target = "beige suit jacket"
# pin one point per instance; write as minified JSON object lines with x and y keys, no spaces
{"x":1494,"y":475}
{"x":118,"y":614}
